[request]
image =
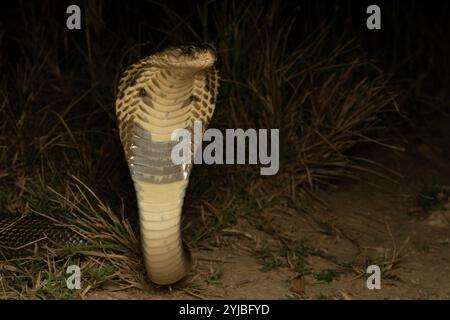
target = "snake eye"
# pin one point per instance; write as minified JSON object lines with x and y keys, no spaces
{"x":190,"y":50}
{"x":142,"y":92}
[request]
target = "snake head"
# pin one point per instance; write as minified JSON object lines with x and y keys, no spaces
{"x":196,"y":57}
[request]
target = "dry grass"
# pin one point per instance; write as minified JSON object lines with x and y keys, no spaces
{"x":111,"y":257}
{"x":60,"y":154}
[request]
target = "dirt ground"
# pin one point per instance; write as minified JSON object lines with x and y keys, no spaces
{"x":365,"y":222}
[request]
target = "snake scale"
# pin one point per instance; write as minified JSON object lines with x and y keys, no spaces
{"x":168,"y":90}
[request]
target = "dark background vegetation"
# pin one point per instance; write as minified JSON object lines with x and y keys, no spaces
{"x":310,"y":68}
{"x":412,"y":45}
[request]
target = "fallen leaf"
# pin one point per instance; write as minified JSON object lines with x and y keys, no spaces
{"x":298,"y":284}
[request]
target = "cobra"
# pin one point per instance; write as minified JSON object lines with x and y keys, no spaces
{"x":164,"y":92}
{"x":168,"y":90}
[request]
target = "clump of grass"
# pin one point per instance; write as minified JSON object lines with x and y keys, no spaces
{"x":215,"y":274}
{"x":269,"y":259}
{"x":326,"y":275}
{"x":325,"y":99}
{"x":112,"y":256}
{"x":111,"y":234}
{"x":301,"y":267}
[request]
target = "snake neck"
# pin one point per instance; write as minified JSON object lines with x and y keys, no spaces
{"x":174,"y":81}
{"x":180,"y":75}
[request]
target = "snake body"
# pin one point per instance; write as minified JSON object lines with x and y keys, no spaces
{"x":30,"y":234}
{"x":168,"y":90}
